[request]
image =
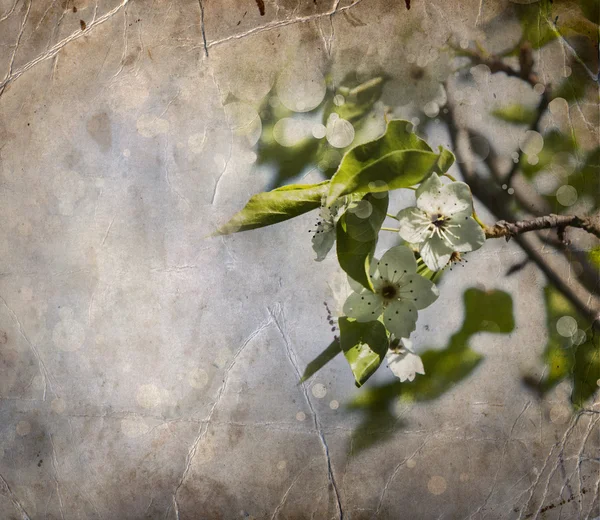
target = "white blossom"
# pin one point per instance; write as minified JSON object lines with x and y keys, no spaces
{"x":442,"y":222}
{"x":399,"y":293}
{"x":404,"y":363}
{"x":324,"y":234}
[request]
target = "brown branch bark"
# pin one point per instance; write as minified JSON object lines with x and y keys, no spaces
{"x":535,"y":125}
{"x":496,"y":64}
{"x":510,"y":230}
{"x":499,"y":203}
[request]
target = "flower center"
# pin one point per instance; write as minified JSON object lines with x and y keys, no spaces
{"x":438,"y":220}
{"x":389,"y":292}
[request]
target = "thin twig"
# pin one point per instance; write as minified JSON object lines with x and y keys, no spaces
{"x":496,"y":64}
{"x":535,"y":126}
{"x":510,"y":230}
{"x":499,"y":202}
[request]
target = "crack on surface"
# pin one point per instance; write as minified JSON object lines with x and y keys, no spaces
{"x":15,"y":50}
{"x":167,"y":177}
{"x":500,"y":464}
{"x":56,"y":48}
{"x":394,"y":473}
{"x":125,"y":45}
{"x":14,"y":499}
{"x":41,"y":365}
{"x":202,"y":28}
{"x":55,"y":467}
{"x":558,"y":451}
{"x":107,"y":232}
{"x":287,"y":492}
{"x":9,"y":12}
{"x":282,"y":23}
{"x":572,"y":51}
{"x":220,"y":177}
{"x":278,"y":311}
{"x":205,"y":423}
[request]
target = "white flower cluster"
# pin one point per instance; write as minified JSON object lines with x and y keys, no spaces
{"x":440,"y":225}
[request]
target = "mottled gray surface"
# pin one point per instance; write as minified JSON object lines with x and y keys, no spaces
{"x":149,"y":372}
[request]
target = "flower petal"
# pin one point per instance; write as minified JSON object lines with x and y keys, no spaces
{"x":419,"y":290}
{"x":322,"y":243}
{"x":405,"y":365}
{"x":458,"y":199}
{"x":364,"y":306}
{"x":469,"y":233}
{"x":400,"y":318}
{"x":413,"y":225}
{"x":433,"y":183}
{"x":435,"y":253}
{"x":406,"y":344}
{"x":446,"y":199}
{"x":395,"y":262}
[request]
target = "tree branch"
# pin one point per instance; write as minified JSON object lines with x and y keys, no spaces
{"x":496,"y":64}
{"x":535,"y":124}
{"x":499,"y":203}
{"x":510,"y":230}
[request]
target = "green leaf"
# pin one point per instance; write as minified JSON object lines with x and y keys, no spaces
{"x":594,"y":256}
{"x":358,"y":101}
{"x":546,"y":20}
{"x":398,"y":159}
{"x":516,"y":114}
{"x":486,"y":311}
{"x":534,"y":22}
{"x":586,"y":371}
{"x":364,"y":346}
{"x":321,"y":360}
{"x":554,"y":143}
{"x":586,"y":180}
{"x":356,"y":238}
{"x":445,"y":160}
{"x":565,"y":360}
{"x":266,"y":209}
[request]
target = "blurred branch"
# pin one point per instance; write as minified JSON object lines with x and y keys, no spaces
{"x":496,"y":64}
{"x":525,"y":73}
{"x":588,"y":274}
{"x":535,"y":124}
{"x":499,"y":203}
{"x":512,"y":229}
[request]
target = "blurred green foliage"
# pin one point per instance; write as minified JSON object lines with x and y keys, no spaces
{"x":575,"y":358}
{"x":517,"y":114}
{"x":485,"y":311}
{"x":546,"y":20}
{"x":289,"y":162}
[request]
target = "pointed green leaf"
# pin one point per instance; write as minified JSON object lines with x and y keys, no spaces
{"x":356,"y":238}
{"x":321,"y":360}
{"x":516,"y":114}
{"x":268,"y":208}
{"x":398,"y":159}
{"x":445,"y":160}
{"x":364,"y":346}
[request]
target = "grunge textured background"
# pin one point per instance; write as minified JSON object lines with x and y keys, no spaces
{"x":150,"y":372}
